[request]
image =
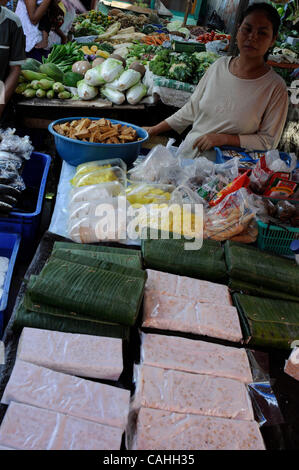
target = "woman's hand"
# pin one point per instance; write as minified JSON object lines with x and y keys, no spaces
{"x":151,"y":131}
{"x":163,"y":126}
{"x":208,"y":141}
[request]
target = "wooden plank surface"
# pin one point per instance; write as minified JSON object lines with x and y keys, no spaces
{"x":103,"y":104}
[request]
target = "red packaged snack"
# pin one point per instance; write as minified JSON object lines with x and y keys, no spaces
{"x":242,"y":181}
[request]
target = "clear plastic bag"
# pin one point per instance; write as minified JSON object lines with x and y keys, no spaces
{"x":100,"y":164}
{"x":230,"y":217}
{"x":160,"y":166}
{"x":20,"y":146}
{"x":103,"y":222}
{"x":96,"y":192}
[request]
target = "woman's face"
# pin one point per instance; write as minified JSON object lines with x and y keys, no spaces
{"x":255,"y":35}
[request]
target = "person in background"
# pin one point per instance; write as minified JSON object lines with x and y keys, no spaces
{"x":30,"y":14}
{"x":53,"y":19}
{"x":12,"y":56}
{"x":240,"y":101}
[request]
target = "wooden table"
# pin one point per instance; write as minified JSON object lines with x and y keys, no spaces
{"x":38,"y":113}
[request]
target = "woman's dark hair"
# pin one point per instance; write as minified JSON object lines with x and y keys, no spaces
{"x":270,"y":12}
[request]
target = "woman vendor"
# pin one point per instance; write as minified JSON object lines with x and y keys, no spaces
{"x":240,"y":101}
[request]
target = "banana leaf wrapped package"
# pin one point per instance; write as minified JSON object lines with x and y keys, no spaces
{"x":268,"y":322}
{"x":260,"y":273}
{"x":109,"y":292}
{"x":84,"y":289}
{"x":170,"y":256}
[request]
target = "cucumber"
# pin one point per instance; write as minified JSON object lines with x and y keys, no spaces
{"x":30,"y":75}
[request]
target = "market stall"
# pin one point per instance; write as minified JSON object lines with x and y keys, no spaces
{"x":150,"y":265}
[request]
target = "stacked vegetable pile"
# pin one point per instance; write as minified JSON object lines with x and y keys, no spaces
{"x":212,"y":36}
{"x":64,"y":55}
{"x":91,"y":23}
{"x":45,"y":81}
{"x":183,"y":67}
{"x":114,"y":81}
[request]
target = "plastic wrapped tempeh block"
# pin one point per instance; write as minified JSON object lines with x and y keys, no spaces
{"x":187,"y":287}
{"x":171,"y":313}
{"x":26,"y":427}
{"x":182,"y":392}
{"x":164,"y":430}
{"x":77,"y":354}
{"x":44,"y":388}
{"x":200,"y":357}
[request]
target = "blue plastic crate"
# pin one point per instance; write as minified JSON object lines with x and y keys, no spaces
{"x":220,"y":158}
{"x":26,"y":224}
{"x":9,"y":247}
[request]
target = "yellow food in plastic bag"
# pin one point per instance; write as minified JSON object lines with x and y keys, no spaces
{"x":145,"y":194}
{"x":95,"y":176}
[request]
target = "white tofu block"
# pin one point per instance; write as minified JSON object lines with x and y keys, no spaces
{"x":26,"y":427}
{"x":292,"y":364}
{"x":187,"y":287}
{"x":182,"y":392}
{"x":162,"y":430}
{"x":171,"y":313}
{"x":200,"y":357}
{"x":44,"y":388}
{"x":77,"y":354}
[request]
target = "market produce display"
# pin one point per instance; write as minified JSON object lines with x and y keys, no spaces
{"x":171,"y":319}
{"x":91,"y":23}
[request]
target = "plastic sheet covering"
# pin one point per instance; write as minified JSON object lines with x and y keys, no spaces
{"x":183,"y":392}
{"x":82,"y":355}
{"x":44,"y":388}
{"x":29,"y":428}
{"x":195,"y":356}
{"x":187,"y":287}
{"x":167,"y":312}
{"x":292,"y":364}
{"x":164,"y":430}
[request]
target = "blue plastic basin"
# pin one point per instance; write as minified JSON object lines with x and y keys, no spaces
{"x":76,"y":152}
